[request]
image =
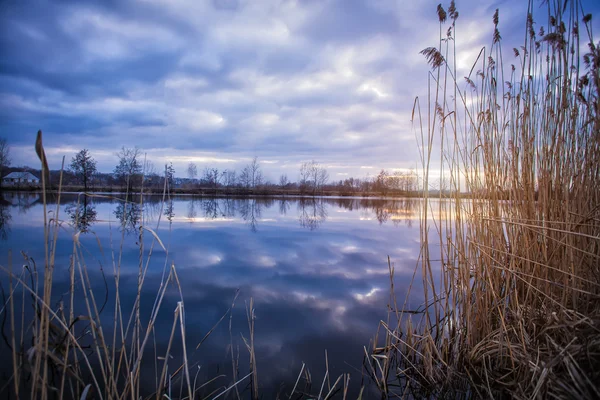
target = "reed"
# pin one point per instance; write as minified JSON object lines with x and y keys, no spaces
{"x":511,"y":276}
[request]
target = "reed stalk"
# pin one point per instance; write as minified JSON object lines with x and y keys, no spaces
{"x":510,"y":275}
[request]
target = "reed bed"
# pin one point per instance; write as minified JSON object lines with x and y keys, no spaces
{"x":511,"y":276}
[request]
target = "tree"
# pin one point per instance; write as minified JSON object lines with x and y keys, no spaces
{"x":192,"y":171}
{"x":283,"y":181}
{"x":211,"y":176}
{"x":84,"y":168}
{"x":4,"y":157}
{"x":170,"y":175}
{"x":256,"y":177}
{"x":322,"y":177}
{"x":151,"y":177}
{"x":251,"y":174}
{"x":313,"y":175}
{"x":129,"y":170}
{"x":381,"y":182}
{"x":304,"y":176}
{"x":245,"y":179}
{"x":229,"y":178}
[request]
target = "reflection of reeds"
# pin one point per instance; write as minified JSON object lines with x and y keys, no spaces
{"x":511,"y":283}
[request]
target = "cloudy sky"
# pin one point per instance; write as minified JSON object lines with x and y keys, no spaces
{"x":218,"y":82}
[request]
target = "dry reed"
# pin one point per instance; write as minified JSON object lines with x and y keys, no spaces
{"x":512,"y":300}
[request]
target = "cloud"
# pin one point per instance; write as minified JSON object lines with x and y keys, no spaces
{"x":333,"y":81}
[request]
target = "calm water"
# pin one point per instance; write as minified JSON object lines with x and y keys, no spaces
{"x":315,"y":268}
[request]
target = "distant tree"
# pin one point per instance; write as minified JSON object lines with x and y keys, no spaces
{"x":4,"y":157}
{"x":83,"y":167}
{"x":313,"y":175}
{"x":192,"y":171}
{"x":322,"y":177}
{"x":255,"y":173}
{"x":151,"y":177}
{"x":245,"y":179}
{"x":128,"y":171}
{"x":170,"y":175}
{"x":283,"y":181}
{"x":304,"y":176}
{"x":229,"y":178}
{"x":251,"y":174}
{"x":211,"y":177}
{"x":381,"y":182}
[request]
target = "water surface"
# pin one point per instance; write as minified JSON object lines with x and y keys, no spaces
{"x":316,"y":269}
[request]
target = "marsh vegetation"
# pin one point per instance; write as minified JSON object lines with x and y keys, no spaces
{"x":504,"y":302}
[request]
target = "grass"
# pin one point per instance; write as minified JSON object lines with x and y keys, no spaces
{"x":511,"y":278}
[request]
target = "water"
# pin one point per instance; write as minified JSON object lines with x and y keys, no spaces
{"x":316,"y":269}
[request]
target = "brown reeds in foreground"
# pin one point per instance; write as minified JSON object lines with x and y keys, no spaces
{"x":512,"y":300}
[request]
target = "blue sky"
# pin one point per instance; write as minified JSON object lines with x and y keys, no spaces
{"x":219,"y":82}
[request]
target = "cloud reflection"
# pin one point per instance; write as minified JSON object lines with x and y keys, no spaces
{"x":316,"y":287}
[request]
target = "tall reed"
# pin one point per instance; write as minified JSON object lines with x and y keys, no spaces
{"x":511,"y":275}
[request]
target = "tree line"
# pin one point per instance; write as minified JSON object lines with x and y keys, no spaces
{"x":133,"y":170}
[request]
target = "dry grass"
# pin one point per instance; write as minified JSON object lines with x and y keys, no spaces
{"x":511,"y":277}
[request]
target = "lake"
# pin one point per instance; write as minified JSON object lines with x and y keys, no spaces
{"x":315,"y":268}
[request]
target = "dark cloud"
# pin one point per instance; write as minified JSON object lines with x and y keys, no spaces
{"x":228,"y":79}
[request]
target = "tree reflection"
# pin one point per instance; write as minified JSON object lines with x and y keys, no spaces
{"x":169,"y":212}
{"x":250,"y":212}
{"x":191,"y":214}
{"x":312,"y":213}
{"x":229,"y":208}
{"x":83,"y":214}
{"x":396,"y":210}
{"x":211,"y":209}
{"x":284,"y":206}
{"x":128,"y":215}
{"x":5,"y":218}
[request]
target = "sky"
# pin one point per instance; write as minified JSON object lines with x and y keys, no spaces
{"x":218,"y":82}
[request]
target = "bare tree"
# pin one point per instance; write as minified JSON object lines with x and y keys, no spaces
{"x":313,"y":175}
{"x":211,"y":176}
{"x":192,"y":171}
{"x":251,"y":174}
{"x":381,"y":182}
{"x":245,"y":177}
{"x":229,"y":178}
{"x":170,"y":175}
{"x":128,"y":171}
{"x":4,"y":157}
{"x":255,"y":172}
{"x":84,"y":167}
{"x":283,"y":181}
{"x":151,"y":176}
{"x":322,"y":177}
{"x":304,"y":176}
